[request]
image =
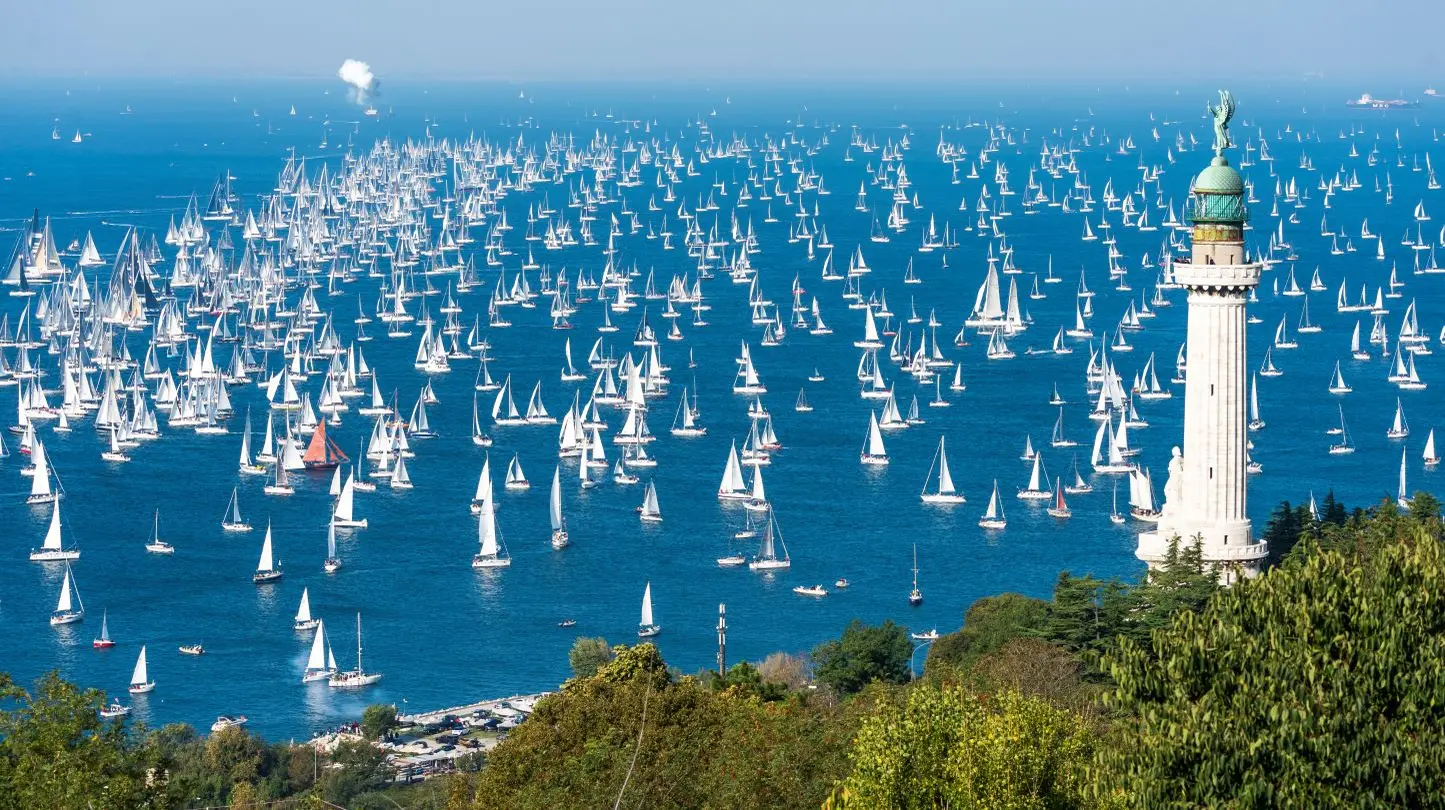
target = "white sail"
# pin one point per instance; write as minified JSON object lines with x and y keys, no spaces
{"x":63,"y":605}
{"x":487,"y":532}
{"x":317,"y":660}
{"x":346,"y":503}
{"x":267,"y":562}
{"x":52,"y":535}
{"x":555,"y":504}
{"x":303,"y":612}
{"x":732,"y":485}
{"x":647,"y":606}
{"x":138,"y":676}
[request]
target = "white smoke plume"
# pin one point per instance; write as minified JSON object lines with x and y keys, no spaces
{"x":364,"y":84}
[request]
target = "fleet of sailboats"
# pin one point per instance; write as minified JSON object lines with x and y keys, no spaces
{"x":236,"y":305}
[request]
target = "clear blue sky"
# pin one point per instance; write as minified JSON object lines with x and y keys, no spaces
{"x":781,"y":40}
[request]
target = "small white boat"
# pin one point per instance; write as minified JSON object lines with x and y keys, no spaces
{"x":114,"y":710}
{"x":810,"y":590}
{"x":267,"y":569}
{"x":225,"y":721}
{"x":140,"y":681}
{"x":304,"y":620}
{"x":993,"y":517}
{"x":647,"y":627}
{"x":929,"y":635}
{"x":492,"y":554}
{"x":156,"y":544}
{"x":356,"y":678}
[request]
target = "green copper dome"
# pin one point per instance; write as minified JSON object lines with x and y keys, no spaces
{"x":1219,"y":178}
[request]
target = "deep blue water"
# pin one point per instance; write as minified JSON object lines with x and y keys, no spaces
{"x":442,"y":633}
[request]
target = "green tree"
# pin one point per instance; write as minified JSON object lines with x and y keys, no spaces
{"x":588,"y":655}
{"x":945,"y":746}
{"x":989,"y":624}
{"x":56,"y":751}
{"x":1318,"y":684}
{"x":632,"y":731}
{"x":378,"y":720}
{"x":864,"y":654}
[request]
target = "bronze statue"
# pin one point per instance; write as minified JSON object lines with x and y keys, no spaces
{"x":1222,"y":114}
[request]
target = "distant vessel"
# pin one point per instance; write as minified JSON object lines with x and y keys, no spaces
{"x":1368,"y":101}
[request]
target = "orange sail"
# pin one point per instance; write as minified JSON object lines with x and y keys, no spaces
{"x":322,"y":453}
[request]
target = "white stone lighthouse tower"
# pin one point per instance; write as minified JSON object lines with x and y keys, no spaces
{"x":1205,"y":495}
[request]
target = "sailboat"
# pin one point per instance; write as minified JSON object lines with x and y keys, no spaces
{"x":246,"y":464}
{"x":333,"y":560}
{"x":479,"y":437}
{"x":233,"y":522}
{"x":1399,"y":429}
{"x":491,"y":554}
{"x":873,"y":453}
{"x":52,"y":549}
{"x":1337,"y":382}
{"x":943,"y":491}
{"x":915,"y":596}
{"x":321,"y":663}
{"x":768,"y":553}
{"x":66,"y":611}
{"x":1345,"y":446}
{"x":105,"y":641}
{"x":304,"y":620}
{"x":358,"y":677}
{"x":802,"y":406}
{"x":140,"y":681}
{"x":649,"y":511}
{"x":1255,"y":423}
{"x":40,"y":489}
{"x":115,"y":453}
{"x":993,"y":517}
{"x":344,"y":515}
{"x":281,"y":485}
{"x":1059,"y":508}
{"x":267,"y":570}
{"x":156,"y":544}
{"x":1402,"y":497}
{"x":516,"y":479}
{"x":647,"y":628}
{"x":1038,"y":488}
{"x":1114,"y":515}
{"x":1431,"y":457}
{"x":560,"y":538}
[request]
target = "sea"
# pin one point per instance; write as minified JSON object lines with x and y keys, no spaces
{"x":443,"y":634}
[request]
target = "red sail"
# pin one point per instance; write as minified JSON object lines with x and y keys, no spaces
{"x":322,"y":453}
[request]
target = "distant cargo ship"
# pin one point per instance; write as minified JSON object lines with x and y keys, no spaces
{"x":1367,"y":100}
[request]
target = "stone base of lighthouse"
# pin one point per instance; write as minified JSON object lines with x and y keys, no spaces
{"x":1231,"y":548}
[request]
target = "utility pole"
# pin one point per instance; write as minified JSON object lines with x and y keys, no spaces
{"x":722,"y":638}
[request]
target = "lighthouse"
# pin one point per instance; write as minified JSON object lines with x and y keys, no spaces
{"x":1206,"y":494}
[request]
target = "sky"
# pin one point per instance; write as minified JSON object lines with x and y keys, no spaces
{"x":770,"y":40}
